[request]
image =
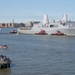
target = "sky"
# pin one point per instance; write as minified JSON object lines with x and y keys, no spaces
{"x":34,"y":10}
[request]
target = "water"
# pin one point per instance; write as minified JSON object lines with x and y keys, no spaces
{"x":38,"y":54}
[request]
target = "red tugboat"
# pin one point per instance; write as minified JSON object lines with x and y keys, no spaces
{"x":58,"y":33}
{"x":42,"y":32}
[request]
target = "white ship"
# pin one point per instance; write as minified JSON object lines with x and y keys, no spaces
{"x":66,"y":27}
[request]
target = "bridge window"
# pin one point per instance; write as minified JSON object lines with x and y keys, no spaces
{"x":51,"y":25}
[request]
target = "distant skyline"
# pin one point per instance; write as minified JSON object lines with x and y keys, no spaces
{"x":34,"y":10}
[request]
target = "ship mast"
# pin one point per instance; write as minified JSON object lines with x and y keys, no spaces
{"x":65,"y":18}
{"x":45,"y":19}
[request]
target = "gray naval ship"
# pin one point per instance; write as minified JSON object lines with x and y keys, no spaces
{"x":63,"y":26}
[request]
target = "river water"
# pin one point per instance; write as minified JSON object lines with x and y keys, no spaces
{"x":38,"y":54}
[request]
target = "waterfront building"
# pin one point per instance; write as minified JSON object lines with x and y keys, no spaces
{"x":5,"y":25}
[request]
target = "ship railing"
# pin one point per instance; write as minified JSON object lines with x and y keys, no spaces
{"x":71,"y":26}
{"x":25,"y":28}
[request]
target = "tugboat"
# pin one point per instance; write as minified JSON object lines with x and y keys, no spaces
{"x":4,"y":62}
{"x":42,"y":32}
{"x":58,"y":33}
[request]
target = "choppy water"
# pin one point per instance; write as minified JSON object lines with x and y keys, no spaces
{"x":38,"y":54}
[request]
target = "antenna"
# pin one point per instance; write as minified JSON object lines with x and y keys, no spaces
{"x":13,"y":23}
